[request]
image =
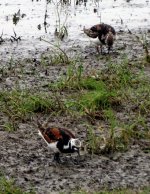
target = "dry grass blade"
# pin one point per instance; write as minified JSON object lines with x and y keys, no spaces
{"x":66,"y":58}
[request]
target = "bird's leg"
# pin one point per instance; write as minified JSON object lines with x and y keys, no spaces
{"x":97,"y":49}
{"x":101,"y":49}
{"x":109,"y":48}
{"x":57,"y":157}
{"x":78,"y":157}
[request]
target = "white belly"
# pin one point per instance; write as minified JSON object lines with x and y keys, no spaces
{"x":53,"y":146}
{"x":95,"y":41}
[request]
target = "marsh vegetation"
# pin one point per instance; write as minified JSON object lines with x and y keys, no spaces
{"x":103,"y":99}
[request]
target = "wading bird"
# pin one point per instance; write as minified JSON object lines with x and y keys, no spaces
{"x":105,"y":34}
{"x":59,"y":140}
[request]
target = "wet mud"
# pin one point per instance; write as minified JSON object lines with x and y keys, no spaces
{"x":25,"y":157}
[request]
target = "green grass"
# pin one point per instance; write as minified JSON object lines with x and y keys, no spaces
{"x":9,"y":187}
{"x":96,"y":95}
{"x":58,"y":55}
{"x":117,"y":76}
{"x":100,"y":92}
{"x":23,"y":104}
{"x":87,"y":93}
{"x":94,"y":98}
{"x":113,"y":87}
{"x":71,"y":80}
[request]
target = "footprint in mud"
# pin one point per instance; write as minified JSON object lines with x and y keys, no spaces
{"x":73,"y":161}
{"x":69,"y":161}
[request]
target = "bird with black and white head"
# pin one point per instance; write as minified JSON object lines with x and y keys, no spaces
{"x":59,"y":140}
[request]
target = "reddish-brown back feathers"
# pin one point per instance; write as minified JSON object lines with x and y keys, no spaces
{"x":52,"y":134}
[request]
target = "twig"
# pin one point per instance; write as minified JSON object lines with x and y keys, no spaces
{"x":1,"y":39}
{"x":45,"y":17}
{"x":145,"y":47}
{"x":67,"y":59}
{"x":15,"y":38}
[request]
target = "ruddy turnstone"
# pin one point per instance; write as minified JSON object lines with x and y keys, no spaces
{"x":104,"y":32}
{"x":59,"y":140}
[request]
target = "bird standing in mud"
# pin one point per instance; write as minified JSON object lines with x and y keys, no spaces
{"x":59,"y":140}
{"x":104,"y":32}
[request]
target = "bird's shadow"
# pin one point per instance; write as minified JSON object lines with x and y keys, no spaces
{"x":68,"y":162}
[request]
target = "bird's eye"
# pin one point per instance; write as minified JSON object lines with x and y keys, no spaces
{"x":94,"y":29}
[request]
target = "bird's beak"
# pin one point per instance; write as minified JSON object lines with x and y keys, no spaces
{"x":78,"y":151}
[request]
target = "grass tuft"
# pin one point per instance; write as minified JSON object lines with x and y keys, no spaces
{"x":21,"y":105}
{"x":9,"y":187}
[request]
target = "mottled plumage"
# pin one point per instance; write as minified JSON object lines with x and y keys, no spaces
{"x":105,"y":33}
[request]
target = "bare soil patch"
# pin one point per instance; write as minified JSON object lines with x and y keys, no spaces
{"x":25,"y":157}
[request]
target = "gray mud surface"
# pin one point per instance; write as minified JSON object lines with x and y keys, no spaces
{"x":25,"y":157}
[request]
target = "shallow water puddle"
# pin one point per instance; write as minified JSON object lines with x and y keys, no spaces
{"x":27,"y":18}
{"x":133,"y":13}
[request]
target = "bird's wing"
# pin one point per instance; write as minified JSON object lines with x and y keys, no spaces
{"x":51,"y":134}
{"x":67,"y":133}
